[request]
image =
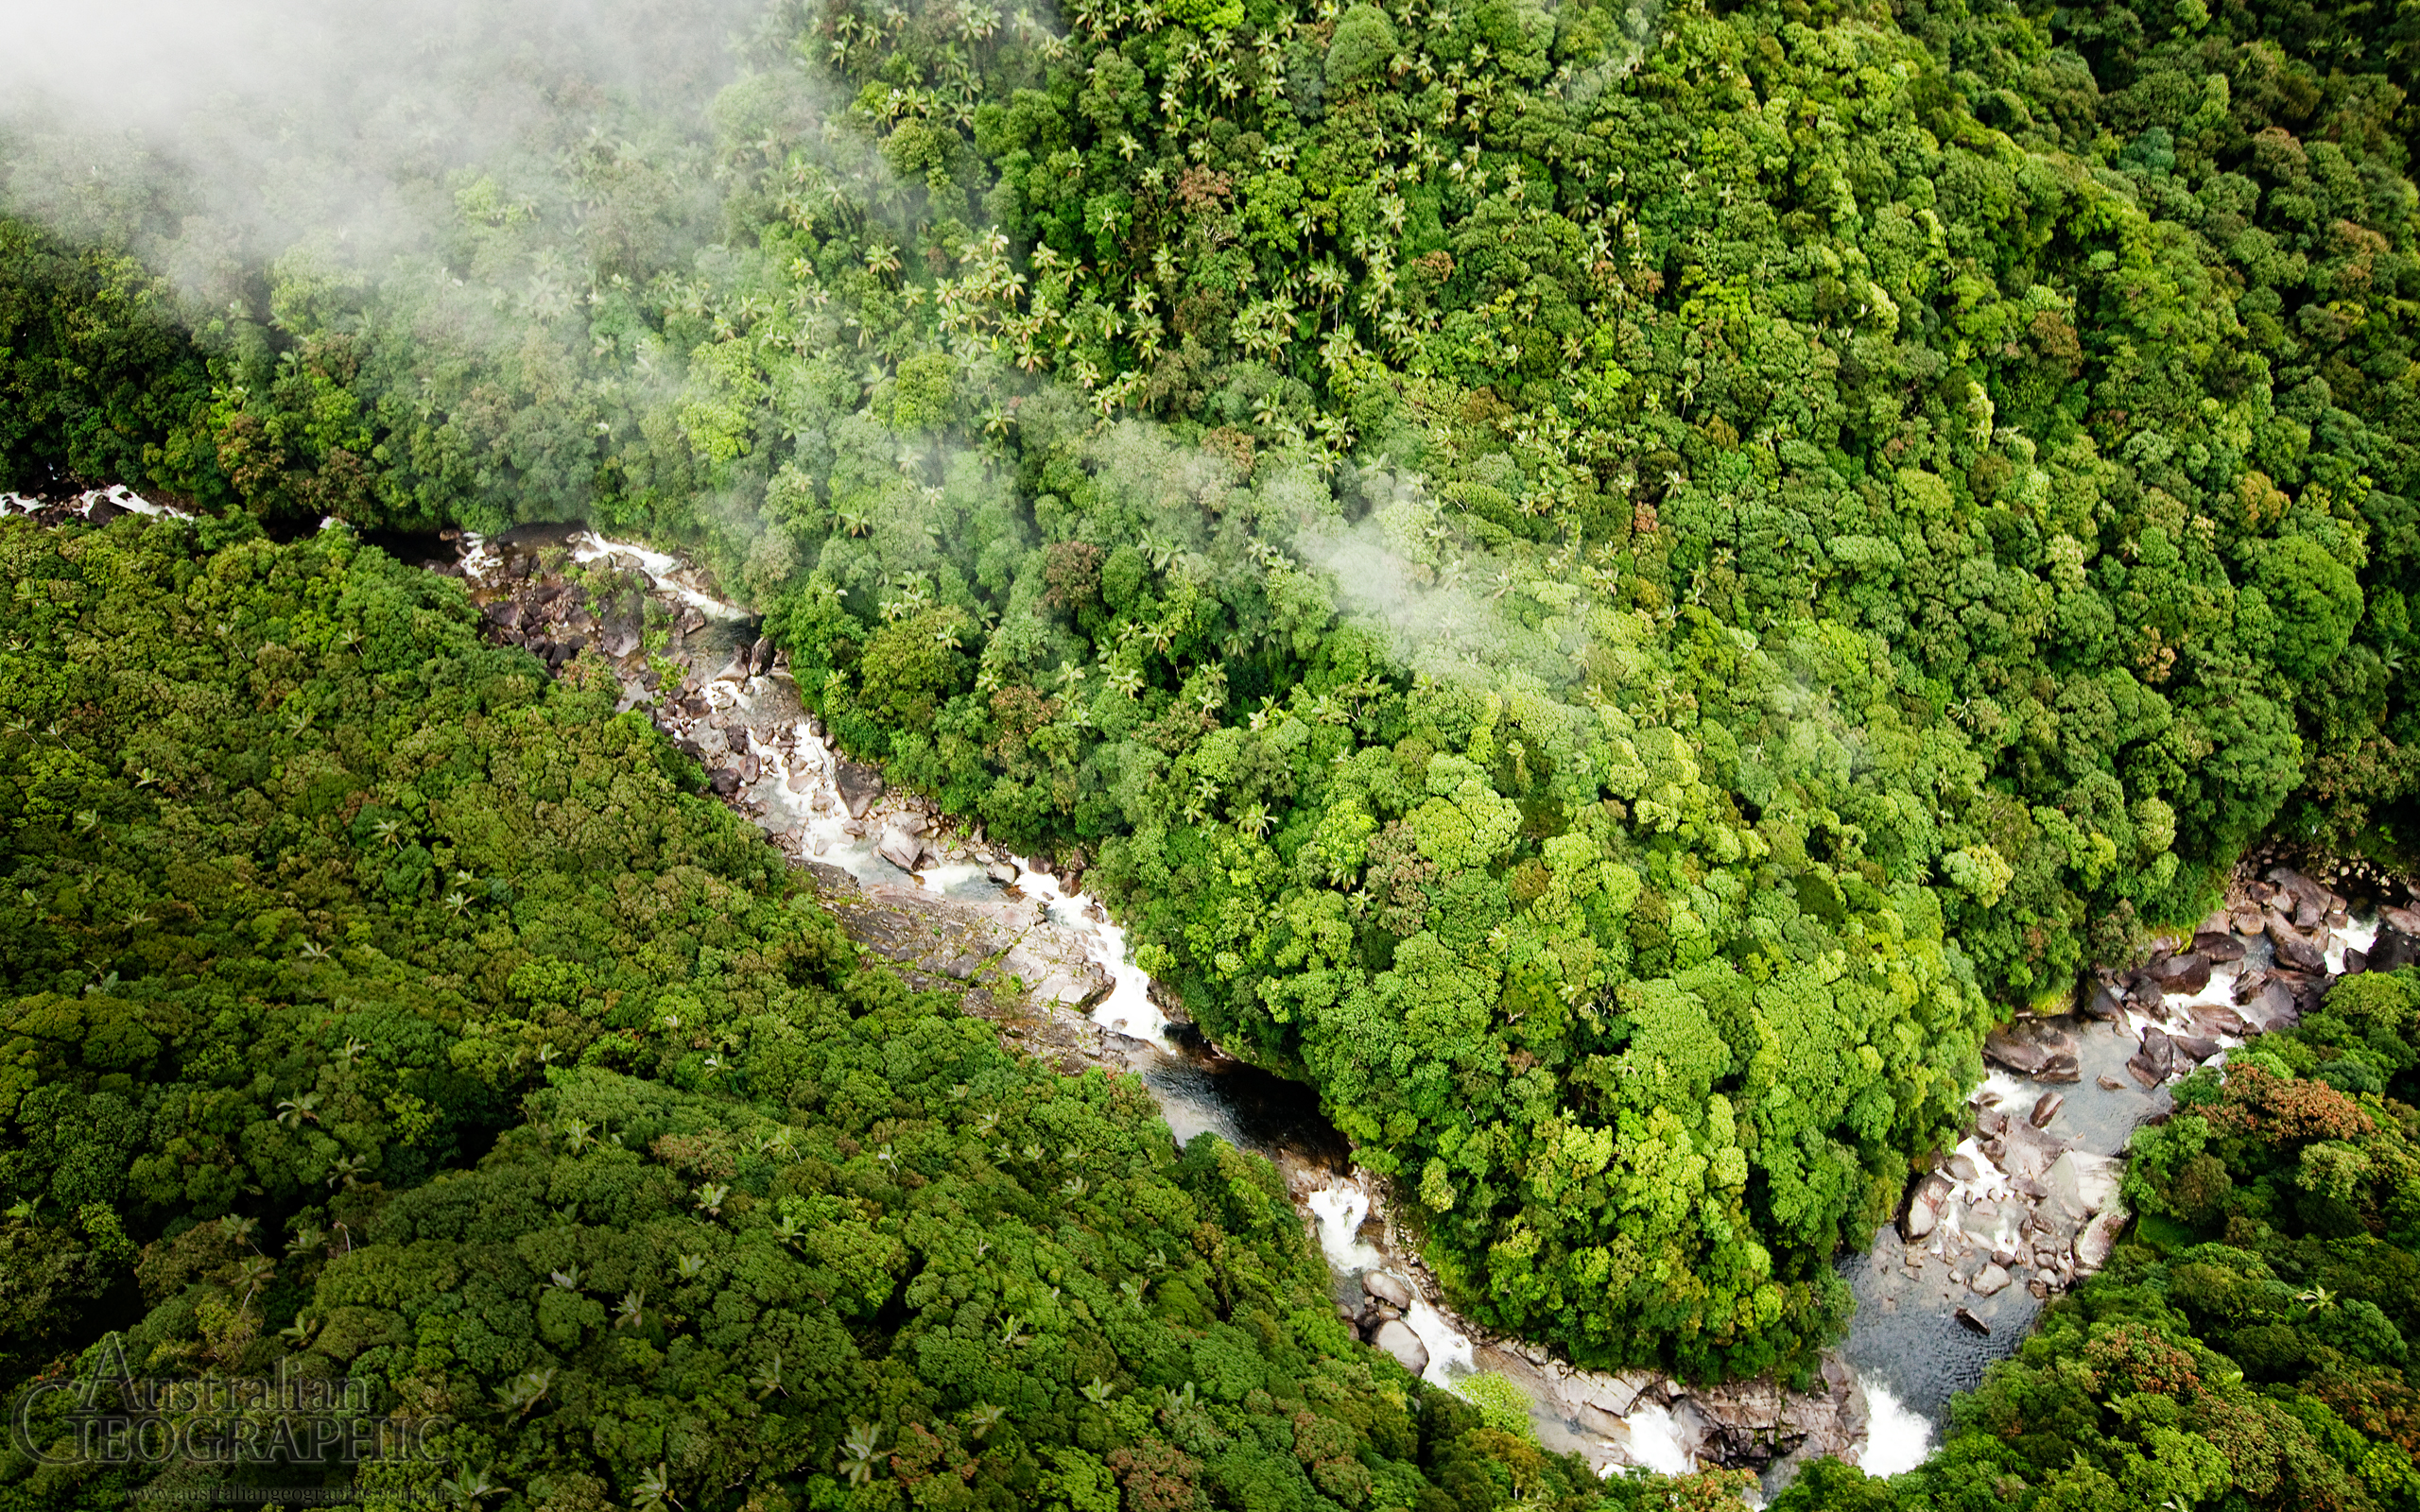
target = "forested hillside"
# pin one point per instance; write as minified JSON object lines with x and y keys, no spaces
{"x":379,"y":1008}
{"x":1606,"y":586}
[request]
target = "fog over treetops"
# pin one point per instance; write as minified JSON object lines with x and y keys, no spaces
{"x":1608,"y":589}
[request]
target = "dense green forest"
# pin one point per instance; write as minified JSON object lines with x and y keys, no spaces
{"x":2251,"y":1350}
{"x":1606,"y":586}
{"x":381,"y":1009}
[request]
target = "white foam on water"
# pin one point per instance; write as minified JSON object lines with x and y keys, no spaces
{"x":2359,"y":934}
{"x":1128,"y":1008}
{"x":1449,"y":1348}
{"x":665,"y":569}
{"x":1999,"y":1089}
{"x":1897,"y":1439}
{"x":1340,"y":1209}
{"x":1656,"y":1441}
{"x":116,"y":494}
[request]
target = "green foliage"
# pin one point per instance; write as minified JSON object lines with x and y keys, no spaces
{"x":2249,"y":1348}
{"x":378,"y":1009}
{"x":1597,"y":589}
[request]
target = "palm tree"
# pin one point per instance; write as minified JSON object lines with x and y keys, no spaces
{"x":859,"y":1453}
{"x":655,"y":1488}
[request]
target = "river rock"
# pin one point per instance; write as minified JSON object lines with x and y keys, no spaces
{"x":2105,"y":1004}
{"x":2080,"y":1186}
{"x":2182,"y":976}
{"x":1971,"y":1323}
{"x":2045,"y":1107}
{"x":2394,"y":948}
{"x":859,"y":785}
{"x":1963,"y":1168}
{"x":2099,"y":1238}
{"x":1924,"y":1207}
{"x":2216,"y":1020}
{"x":1001,"y":873}
{"x":2402,"y":920}
{"x":2151,"y":1064}
{"x":724,"y":780}
{"x":900,"y":845}
{"x":1388,"y":1288}
{"x":2218,"y":948}
{"x":2110,"y":1084}
{"x":619,"y":631}
{"x":710,"y":741}
{"x":2311,"y":910}
{"x":2192,"y":1048}
{"x":735,"y":670}
{"x":2272,"y":1007}
{"x":2246,"y":921}
{"x":1397,"y":1339}
{"x":760,"y":656}
{"x":2295,"y":951}
{"x":2019,"y":1053}
{"x":2356,"y":962}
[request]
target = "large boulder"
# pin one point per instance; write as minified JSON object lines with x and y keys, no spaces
{"x":901,"y":847}
{"x":2183,"y":975}
{"x":1990,"y":1281}
{"x":2394,"y":947}
{"x":2272,"y":1007}
{"x":2032,"y":1050}
{"x":1396,"y":1338}
{"x":2016,"y":1053}
{"x":1388,"y":1288}
{"x":2155,"y":1060}
{"x":2295,"y":950}
{"x":2192,"y":1049}
{"x":2217,"y":947}
{"x":1924,"y":1207}
{"x":2079,"y":1185}
{"x":859,"y":785}
{"x":2099,"y":1238}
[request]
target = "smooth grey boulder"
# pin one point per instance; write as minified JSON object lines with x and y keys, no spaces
{"x":1388,"y":1288}
{"x":1397,"y":1339}
{"x":900,"y":847}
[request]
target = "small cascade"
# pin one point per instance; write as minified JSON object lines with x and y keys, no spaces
{"x":1897,"y":1439}
{"x":1127,"y":1009}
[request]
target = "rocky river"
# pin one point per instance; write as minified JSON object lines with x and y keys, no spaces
{"x":2023,"y":1206}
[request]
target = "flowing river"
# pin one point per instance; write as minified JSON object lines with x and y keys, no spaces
{"x":1926,"y":1322}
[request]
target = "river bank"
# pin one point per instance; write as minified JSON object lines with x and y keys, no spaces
{"x":2023,"y":1206}
{"x":2017,"y":1208}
